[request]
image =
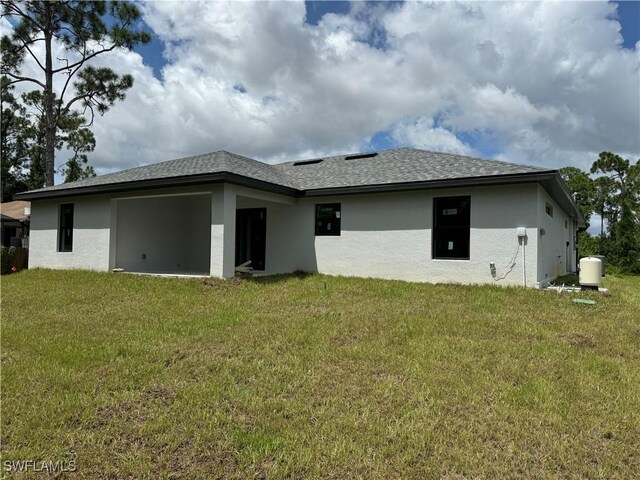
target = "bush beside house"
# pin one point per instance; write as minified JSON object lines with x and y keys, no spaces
{"x":13,"y":259}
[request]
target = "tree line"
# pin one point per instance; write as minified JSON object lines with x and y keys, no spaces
{"x":611,"y":190}
{"x":59,"y":40}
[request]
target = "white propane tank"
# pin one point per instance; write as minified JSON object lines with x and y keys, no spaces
{"x":590,"y":272}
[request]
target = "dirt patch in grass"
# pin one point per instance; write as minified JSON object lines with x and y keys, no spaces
{"x":221,"y":283}
{"x":580,"y":340}
{"x":159,"y":393}
{"x":128,"y":411}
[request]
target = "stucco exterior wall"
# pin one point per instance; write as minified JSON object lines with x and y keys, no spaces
{"x":90,"y":234}
{"x":95,"y":229}
{"x":390,"y":236}
{"x":555,"y":258}
{"x":383,"y":235}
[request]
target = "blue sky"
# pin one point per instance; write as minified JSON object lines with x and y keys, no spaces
{"x":629,"y":18}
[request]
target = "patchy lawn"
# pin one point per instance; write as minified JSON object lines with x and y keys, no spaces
{"x":318,"y":377}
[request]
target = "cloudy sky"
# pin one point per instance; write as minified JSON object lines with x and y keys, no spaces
{"x":544,"y":83}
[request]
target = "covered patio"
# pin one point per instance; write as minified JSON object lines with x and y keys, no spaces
{"x":205,"y":233}
{"x":167,"y":234}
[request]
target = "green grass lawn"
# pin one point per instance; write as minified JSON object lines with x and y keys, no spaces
{"x":318,"y":377}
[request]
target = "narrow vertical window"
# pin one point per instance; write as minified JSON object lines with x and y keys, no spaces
{"x":548,"y":209}
{"x":328,"y":219}
{"x":451,"y":227}
{"x":65,"y":228}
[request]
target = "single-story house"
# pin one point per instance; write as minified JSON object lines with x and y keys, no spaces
{"x":399,"y":214}
{"x":15,"y":223}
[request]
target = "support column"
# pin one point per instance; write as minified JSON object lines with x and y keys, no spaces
{"x":223,"y":231}
{"x":113,"y":233}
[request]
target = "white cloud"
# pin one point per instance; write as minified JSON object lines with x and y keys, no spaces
{"x":423,"y":134}
{"x":547,"y":81}
{"x":487,"y":106}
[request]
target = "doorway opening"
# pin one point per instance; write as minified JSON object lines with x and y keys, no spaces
{"x":251,"y":237}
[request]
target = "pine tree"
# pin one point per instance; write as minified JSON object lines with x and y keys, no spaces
{"x":86,"y":30}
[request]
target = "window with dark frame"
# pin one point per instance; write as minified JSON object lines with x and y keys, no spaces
{"x":451,"y":228}
{"x":65,"y":228}
{"x":548,"y":209}
{"x":328,"y":219}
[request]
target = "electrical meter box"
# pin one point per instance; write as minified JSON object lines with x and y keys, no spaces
{"x":522,"y":232}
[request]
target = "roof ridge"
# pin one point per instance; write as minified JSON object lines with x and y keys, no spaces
{"x":243,"y":157}
{"x":160,"y":163}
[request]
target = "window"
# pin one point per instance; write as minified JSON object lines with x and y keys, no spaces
{"x":548,"y":209}
{"x":451,"y":227}
{"x":65,"y":228}
{"x":328,"y":219}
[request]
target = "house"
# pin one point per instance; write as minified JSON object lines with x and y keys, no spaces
{"x":399,"y":214}
{"x":15,"y":223}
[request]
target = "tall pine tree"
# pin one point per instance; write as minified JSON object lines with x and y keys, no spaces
{"x":86,"y":30}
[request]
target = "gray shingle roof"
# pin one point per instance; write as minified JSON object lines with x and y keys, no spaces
{"x":216,"y":162}
{"x":389,"y":170}
{"x":395,"y":166}
{"x":401,"y":165}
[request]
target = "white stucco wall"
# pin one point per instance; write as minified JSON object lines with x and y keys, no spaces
{"x":553,"y":255}
{"x":383,"y":235}
{"x":389,"y":236}
{"x":90,"y":234}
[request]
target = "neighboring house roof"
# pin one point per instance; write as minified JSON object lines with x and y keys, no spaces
{"x":389,"y":170}
{"x":14,"y":211}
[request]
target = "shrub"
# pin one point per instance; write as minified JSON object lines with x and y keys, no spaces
{"x":4,"y":260}
{"x":13,"y":259}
